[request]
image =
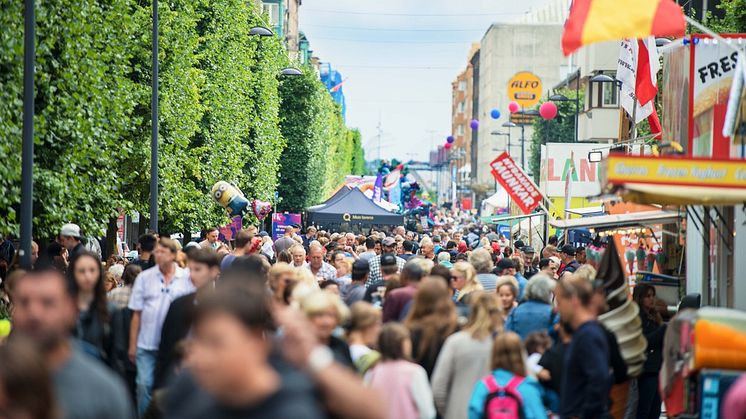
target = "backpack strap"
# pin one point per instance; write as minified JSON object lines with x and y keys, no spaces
{"x":512,"y":386}
{"x":491,"y":384}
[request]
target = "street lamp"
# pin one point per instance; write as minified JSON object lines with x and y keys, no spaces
{"x":260,"y":31}
{"x":154,"y":127}
{"x":291,"y":71}
{"x":603,"y":78}
{"x":27,"y":147}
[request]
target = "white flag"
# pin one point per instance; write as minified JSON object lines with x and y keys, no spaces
{"x":626,"y":72}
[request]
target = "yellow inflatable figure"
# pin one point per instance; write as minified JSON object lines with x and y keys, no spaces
{"x":230,"y":197}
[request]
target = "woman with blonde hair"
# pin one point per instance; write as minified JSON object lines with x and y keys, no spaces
{"x":465,"y":355}
{"x":281,"y":281}
{"x":365,"y":325}
{"x":431,"y":320}
{"x":507,"y":290}
{"x":326,"y":311}
{"x":508,"y":364}
{"x":464,"y":280}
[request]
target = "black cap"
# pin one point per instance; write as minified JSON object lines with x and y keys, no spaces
{"x":528,"y":249}
{"x":568,"y":249}
{"x":360,"y":268}
{"x":388,"y":259}
{"x":519,"y":244}
{"x":504,"y":264}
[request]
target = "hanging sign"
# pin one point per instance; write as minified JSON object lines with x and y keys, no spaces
{"x":515,"y":181}
{"x":525,"y":89}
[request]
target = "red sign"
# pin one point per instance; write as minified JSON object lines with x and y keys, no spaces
{"x":518,"y":185}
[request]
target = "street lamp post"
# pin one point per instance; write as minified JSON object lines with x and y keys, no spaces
{"x":27,"y":150}
{"x":154,"y":127}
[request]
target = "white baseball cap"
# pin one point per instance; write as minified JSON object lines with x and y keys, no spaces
{"x":70,"y":230}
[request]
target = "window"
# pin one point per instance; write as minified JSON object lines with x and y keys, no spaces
{"x":462,"y":85}
{"x":460,"y":130}
{"x":272,"y":10}
{"x":461,"y":107}
{"x":610,"y":94}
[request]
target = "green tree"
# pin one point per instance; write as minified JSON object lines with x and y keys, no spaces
{"x":733,"y":20}
{"x":561,"y":129}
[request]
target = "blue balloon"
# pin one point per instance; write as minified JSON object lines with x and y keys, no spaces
{"x":495,"y":114}
{"x":450,"y":139}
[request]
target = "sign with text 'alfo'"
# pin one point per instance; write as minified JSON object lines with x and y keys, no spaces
{"x":525,"y":89}
{"x":515,"y":181}
{"x":676,"y":171}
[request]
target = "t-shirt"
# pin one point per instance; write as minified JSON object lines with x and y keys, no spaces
{"x":367,"y":255}
{"x":553,"y":361}
{"x":284,"y":243}
{"x":587,"y":380}
{"x":86,"y":389}
{"x":352,"y":293}
{"x":294,"y":399}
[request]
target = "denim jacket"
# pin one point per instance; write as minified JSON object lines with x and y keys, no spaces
{"x":531,"y":316}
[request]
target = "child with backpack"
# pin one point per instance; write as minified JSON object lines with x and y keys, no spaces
{"x":508,"y":392}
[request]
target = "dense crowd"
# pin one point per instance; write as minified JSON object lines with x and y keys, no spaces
{"x":456,"y":323}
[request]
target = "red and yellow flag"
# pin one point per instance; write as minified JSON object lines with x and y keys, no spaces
{"x":606,"y":20}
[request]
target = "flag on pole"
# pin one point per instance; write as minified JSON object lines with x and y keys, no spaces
{"x":592,"y":21}
{"x":378,"y":189}
{"x":637,"y":70}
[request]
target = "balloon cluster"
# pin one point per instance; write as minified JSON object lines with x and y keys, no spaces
{"x":235,"y":203}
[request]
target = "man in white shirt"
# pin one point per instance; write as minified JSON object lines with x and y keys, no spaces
{"x":152,"y":294}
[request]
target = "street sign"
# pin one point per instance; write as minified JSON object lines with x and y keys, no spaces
{"x":504,"y":230}
{"x":522,"y":119}
{"x":515,"y":181}
{"x":525,"y":89}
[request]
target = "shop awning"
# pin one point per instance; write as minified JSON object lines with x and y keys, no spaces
{"x":682,"y":195}
{"x":619,"y":220}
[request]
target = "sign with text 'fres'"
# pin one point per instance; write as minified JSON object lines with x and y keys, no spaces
{"x":515,"y":181}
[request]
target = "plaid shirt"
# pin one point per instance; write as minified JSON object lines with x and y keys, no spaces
{"x":326,"y":271}
{"x":120,"y":296}
{"x":375,"y":268}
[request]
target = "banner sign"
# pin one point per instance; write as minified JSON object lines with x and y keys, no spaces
{"x":515,"y":181}
{"x":676,"y":171}
{"x":557,"y":162}
{"x":282,"y":220}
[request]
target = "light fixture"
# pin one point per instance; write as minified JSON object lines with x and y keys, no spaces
{"x":595,"y":156}
{"x":509,"y":124}
{"x":602,"y":78}
{"x":261,"y":31}
{"x":291,"y":71}
{"x":558,"y":98}
{"x":659,"y":42}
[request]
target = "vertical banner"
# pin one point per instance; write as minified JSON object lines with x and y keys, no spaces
{"x":282,"y":220}
{"x":515,"y":181}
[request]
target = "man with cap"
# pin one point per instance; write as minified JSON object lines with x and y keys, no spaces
{"x":389,"y":247}
{"x":389,"y":269}
{"x":569,"y":264}
{"x":528,"y":261}
{"x":70,"y":239}
{"x":355,"y":290}
{"x":504,"y":267}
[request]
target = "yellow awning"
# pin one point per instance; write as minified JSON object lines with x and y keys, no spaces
{"x":682,"y":195}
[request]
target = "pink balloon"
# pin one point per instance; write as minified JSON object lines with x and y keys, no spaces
{"x":548,"y":110}
{"x":513,"y":107}
{"x":448,"y":146}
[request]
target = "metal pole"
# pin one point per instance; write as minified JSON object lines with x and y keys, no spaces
{"x":577,"y":104}
{"x":27,"y":150}
{"x":523,"y":148}
{"x":154,"y":127}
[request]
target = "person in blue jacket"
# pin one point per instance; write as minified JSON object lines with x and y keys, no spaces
{"x":535,"y":314}
{"x":507,"y":363}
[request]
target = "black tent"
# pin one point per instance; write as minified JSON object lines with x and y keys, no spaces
{"x":341,"y":193}
{"x":352,"y":207}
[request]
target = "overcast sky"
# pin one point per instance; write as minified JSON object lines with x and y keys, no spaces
{"x":399,"y":58}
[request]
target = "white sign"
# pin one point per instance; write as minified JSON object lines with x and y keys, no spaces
{"x":556,"y":166}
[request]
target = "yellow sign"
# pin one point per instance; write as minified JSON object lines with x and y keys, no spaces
{"x":525,"y":89}
{"x":676,"y":171}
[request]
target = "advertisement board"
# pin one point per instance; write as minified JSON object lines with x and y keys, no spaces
{"x":515,"y":181}
{"x":282,"y":220}
{"x":676,"y":171}
{"x":525,"y":89}
{"x":556,"y":165}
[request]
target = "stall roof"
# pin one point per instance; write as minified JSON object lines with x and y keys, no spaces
{"x":682,"y":195}
{"x":341,"y":193}
{"x":355,"y":208}
{"x":619,"y":220}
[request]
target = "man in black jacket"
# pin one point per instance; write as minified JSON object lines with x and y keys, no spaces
{"x":203,"y":270}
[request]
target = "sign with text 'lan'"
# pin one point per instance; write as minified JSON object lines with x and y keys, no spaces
{"x":515,"y":181}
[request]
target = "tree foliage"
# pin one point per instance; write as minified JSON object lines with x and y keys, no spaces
{"x":219,"y":113}
{"x":561,"y":129}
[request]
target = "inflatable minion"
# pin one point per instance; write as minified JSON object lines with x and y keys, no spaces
{"x":230,"y":197}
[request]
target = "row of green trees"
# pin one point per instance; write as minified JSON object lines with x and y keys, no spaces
{"x":225,"y":114}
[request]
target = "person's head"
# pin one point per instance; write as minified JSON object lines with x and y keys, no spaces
{"x":336,"y":258}
{"x":329,"y":286}
{"x":44,"y":308}
{"x":486,"y":315}
{"x":538,"y":342}
{"x":229,"y":337}
{"x":360,"y":270}
{"x":203,"y":267}
{"x":540,"y":288}
{"x":644,"y":295}
{"x":34,"y":252}
{"x":580,"y":255}
{"x":388,"y":245}
{"x":130,"y":273}
{"x":165,"y":253}
{"x":394,"y":342}
{"x":315,"y":256}
{"x":370,"y":244}
{"x":548,"y":266}
{"x":408,"y":246}
{"x":481,"y":260}
{"x":70,"y":236}
{"x":553,"y":240}
{"x":26,"y":389}
{"x":528,"y":256}
{"x":350,"y":238}
{"x":431,"y":301}
{"x":110,"y":281}
{"x":311,"y":231}
{"x":412,"y":272}
{"x":444,"y":258}
{"x":299,"y":255}
{"x":243,"y":240}
{"x":281,"y":277}
{"x":427,"y":248}
{"x":506,"y":266}
{"x":464,"y":278}
{"x":289,"y":231}
{"x":507,"y":291}
{"x":211,"y":235}
{"x":325,"y":310}
{"x":365,"y":320}
{"x":567,"y":253}
{"x":508,"y":354}
{"x":573,"y":295}
{"x":86,"y":277}
{"x":550,"y":251}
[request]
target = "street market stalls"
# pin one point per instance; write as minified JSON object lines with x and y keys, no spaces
{"x":351,"y":210}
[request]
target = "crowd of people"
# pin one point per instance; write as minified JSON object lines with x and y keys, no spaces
{"x":456,"y":323}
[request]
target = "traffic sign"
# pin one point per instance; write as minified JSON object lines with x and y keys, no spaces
{"x":525,"y":89}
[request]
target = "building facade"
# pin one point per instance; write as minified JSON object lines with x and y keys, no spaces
{"x":283,"y":20}
{"x":462,"y":101}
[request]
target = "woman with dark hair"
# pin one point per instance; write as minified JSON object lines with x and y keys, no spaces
{"x":431,"y":320}
{"x":649,"y":399}
{"x":86,"y":279}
